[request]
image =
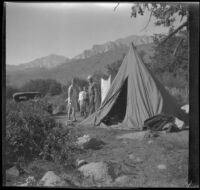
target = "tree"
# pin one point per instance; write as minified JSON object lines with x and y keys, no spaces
{"x":50,"y":86}
{"x":171,"y":51}
{"x":80,"y":82}
{"x":112,"y":69}
{"x":165,"y":13}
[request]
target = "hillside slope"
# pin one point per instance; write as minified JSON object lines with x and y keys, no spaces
{"x":76,"y":67}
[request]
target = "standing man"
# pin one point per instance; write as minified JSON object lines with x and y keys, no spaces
{"x":93,"y":95}
{"x":72,"y":100}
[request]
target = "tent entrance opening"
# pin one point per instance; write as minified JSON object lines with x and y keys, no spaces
{"x":118,"y":111}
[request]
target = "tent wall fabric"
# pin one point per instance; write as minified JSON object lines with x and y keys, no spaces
{"x":143,"y":97}
{"x":105,"y":85}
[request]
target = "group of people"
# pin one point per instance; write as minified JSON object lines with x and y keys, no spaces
{"x":87,"y":101}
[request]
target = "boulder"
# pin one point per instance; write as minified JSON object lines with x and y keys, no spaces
{"x":122,"y":181}
{"x":51,"y":179}
{"x":162,"y":166}
{"x":12,"y":172}
{"x":82,"y":140}
{"x":150,"y":142}
{"x":96,"y":172}
{"x":131,"y":156}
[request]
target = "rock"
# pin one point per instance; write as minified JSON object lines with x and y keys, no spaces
{"x":72,"y":179}
{"x":81,"y":140}
{"x":138,"y":160}
{"x":122,"y":180}
{"x":96,"y":171}
{"x":161,"y":167}
{"x":51,"y":179}
{"x":22,"y":185}
{"x":12,"y":172}
{"x":150,"y":142}
{"x":131,"y":156}
{"x":124,"y":142}
{"x":114,"y":169}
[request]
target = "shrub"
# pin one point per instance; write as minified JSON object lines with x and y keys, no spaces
{"x":59,"y":146}
{"x":180,"y":94}
{"x":47,"y":86}
{"x":10,"y":91}
{"x":32,"y":133}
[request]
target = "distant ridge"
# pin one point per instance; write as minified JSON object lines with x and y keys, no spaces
{"x":48,"y":62}
{"x":63,"y":69}
{"x":122,"y":42}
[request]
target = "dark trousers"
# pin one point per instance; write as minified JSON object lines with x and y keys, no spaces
{"x":91,"y":106}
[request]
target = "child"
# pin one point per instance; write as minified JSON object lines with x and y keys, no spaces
{"x":82,"y":102}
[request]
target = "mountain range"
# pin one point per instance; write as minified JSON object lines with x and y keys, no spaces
{"x":63,"y":69}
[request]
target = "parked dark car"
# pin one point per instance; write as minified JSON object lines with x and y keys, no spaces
{"x":24,"y":96}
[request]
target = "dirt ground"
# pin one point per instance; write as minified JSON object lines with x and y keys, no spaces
{"x":160,"y":161}
{"x":142,"y":156}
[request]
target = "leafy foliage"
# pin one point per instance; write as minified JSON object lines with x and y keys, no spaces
{"x":165,"y":13}
{"x":10,"y":91}
{"x":49,"y":86}
{"x":80,"y":82}
{"x":30,"y":131}
{"x":113,"y":68}
{"x":164,"y":61}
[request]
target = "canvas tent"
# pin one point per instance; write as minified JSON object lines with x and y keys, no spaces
{"x":134,"y":96}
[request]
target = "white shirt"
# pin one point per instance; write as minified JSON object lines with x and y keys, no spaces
{"x":82,"y":96}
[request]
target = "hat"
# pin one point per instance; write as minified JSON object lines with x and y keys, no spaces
{"x":89,"y":77}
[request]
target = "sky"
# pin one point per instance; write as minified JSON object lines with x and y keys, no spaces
{"x":35,"y":30}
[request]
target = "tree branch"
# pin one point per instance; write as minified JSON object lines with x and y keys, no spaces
{"x":148,"y":21}
{"x":175,"y":50}
{"x":116,"y":6}
{"x":174,"y":32}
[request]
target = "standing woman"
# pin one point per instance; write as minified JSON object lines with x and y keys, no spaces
{"x":72,"y":100}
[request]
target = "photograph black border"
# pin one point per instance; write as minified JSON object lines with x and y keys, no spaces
{"x":193,"y":169}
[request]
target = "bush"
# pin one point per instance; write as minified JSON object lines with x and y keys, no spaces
{"x":48,"y":86}
{"x":32,"y":133}
{"x":180,"y":94}
{"x":168,"y":79}
{"x":10,"y":91}
{"x":59,"y":146}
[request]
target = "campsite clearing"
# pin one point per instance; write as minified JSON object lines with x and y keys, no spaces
{"x":137,"y":162}
{"x":169,"y":149}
